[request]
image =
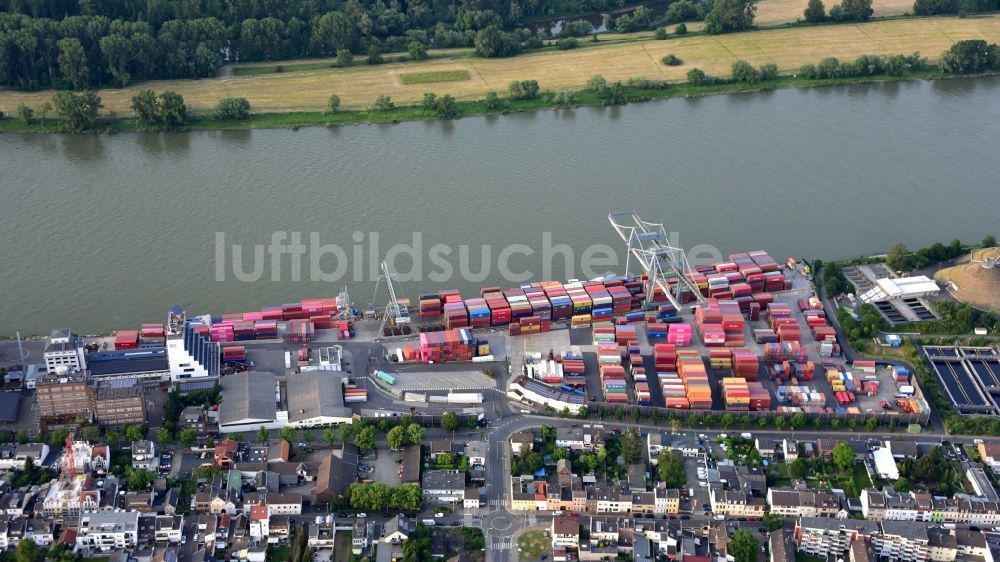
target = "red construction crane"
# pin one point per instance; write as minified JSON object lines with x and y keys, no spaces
{"x":70,"y":469}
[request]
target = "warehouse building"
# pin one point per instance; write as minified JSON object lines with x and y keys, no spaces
{"x":316,"y":398}
{"x":120,"y":402}
{"x":64,"y":348}
{"x":249,"y":402}
{"x":64,"y":395}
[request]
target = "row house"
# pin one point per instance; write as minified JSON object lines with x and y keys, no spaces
{"x":15,"y":529}
{"x":586,"y":438}
{"x":805,"y":503}
{"x":168,"y":528}
{"x":825,"y":536}
{"x":565,"y":532}
{"x":609,"y":499}
{"x":736,"y":504}
{"x":893,"y":506}
{"x":107,"y":530}
{"x":13,"y":456}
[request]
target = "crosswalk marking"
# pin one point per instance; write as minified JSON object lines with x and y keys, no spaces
{"x":497,"y":502}
{"x":502,"y":543}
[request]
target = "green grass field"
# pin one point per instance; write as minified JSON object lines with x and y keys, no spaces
{"x":532,"y":545}
{"x":432,"y":77}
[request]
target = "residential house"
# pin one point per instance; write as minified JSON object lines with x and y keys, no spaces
{"x":14,"y":456}
{"x":40,"y":531}
{"x":336,"y":473}
{"x":321,"y":535}
{"x":472,"y":499}
{"x":397,"y":530}
{"x":476,"y":452}
{"x":444,"y":486}
{"x":942,"y":546}
{"x":168,"y":528}
{"x":990,"y":453}
{"x":565,"y":532}
{"x":825,"y":536}
{"x":768,"y":447}
{"x":440,"y":447}
{"x":279,"y":528}
{"x":259,"y":522}
{"x":586,"y":438}
{"x":972,"y":543}
{"x":736,"y":504}
{"x":804,"y":503}
{"x":522,"y":441}
{"x":360,"y":536}
{"x":668,"y":500}
{"x":107,"y":530}
{"x":409,"y":470}
{"x":902,"y":540}
{"x":225,"y":454}
{"x":781,"y":546}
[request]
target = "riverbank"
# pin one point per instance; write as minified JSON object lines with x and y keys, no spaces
{"x":584,"y":98}
{"x":358,"y":87}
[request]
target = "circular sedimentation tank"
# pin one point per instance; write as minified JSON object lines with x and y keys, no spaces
{"x":977,"y":280}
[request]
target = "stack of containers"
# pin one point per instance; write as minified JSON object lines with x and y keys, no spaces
{"x":625,"y":334}
{"x":127,"y":339}
{"x":763,"y":261}
{"x":243,"y":330}
{"x":344,"y":329}
{"x":265,"y":329}
{"x":774,"y":281}
{"x":656,"y":331}
{"x":479,"y":313}
{"x":301,"y":331}
{"x":519,"y":305}
{"x":621,"y":298}
{"x":718,"y":286}
{"x":666,"y":311}
{"x":745,"y":363}
{"x":447,"y":345}
{"x":540,"y":305}
{"x":692,"y":371}
{"x":604,"y":332}
{"x":152,"y":335}
{"x":720,"y":359}
{"x":430,"y":306}
{"x":732,"y":323}
{"x":580,"y":321}
{"x":602,"y":305}
{"x":709,"y":319}
{"x":713,"y":335}
{"x":455,"y":314}
{"x":531,"y":325}
{"x":765,"y":335}
{"x":760,"y":398}
{"x":354,"y":394}
{"x":736,"y":394}
{"x":499,"y":309}
{"x":864,"y":367}
{"x":665,"y":357}
{"x":612,"y":373}
{"x":562,"y":305}
{"x":786,"y":351}
{"x":221,"y":332}
{"x":578,"y":296}
{"x":901,"y":374}
{"x":679,"y":335}
{"x":271,"y":313}
{"x":234,"y":354}
{"x":291,"y":311}
{"x":642,"y":393}
{"x":763,"y":299}
{"x":253,"y":316}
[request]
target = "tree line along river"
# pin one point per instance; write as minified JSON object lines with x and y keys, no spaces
{"x":103,"y":232}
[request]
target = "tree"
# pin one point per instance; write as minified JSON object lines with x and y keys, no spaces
{"x":140,"y":479}
{"x":329,"y":436}
{"x":815,"y":11}
{"x":843,"y":456}
{"x":22,"y":436}
{"x":134,"y":432}
{"x":233,"y":109}
{"x":44,"y":109}
{"x":743,"y":547}
{"x":871,"y":424}
{"x":365,"y":439}
{"x":187,"y":437}
{"x":989,"y":242}
{"x":25,"y":113}
{"x":799,"y":421}
{"x":333,"y":103}
{"x":417,"y":50}
{"x":344,"y":58}
{"x":415,"y":434}
{"x":670,"y":468}
{"x":430,"y":100}
{"x":146,"y":107}
{"x":799,"y":469}
{"x":263,"y":434}
{"x":396,"y":438}
{"x":449,"y":421}
{"x":523,"y":89}
{"x":173,"y":111}
{"x":494,"y":102}
{"x":164,"y":436}
{"x":730,"y":15}
{"x":78,"y":110}
{"x":73,"y":63}
{"x":445,"y":107}
{"x":772,"y":522}
{"x":288,"y":433}
{"x":490,"y":42}
{"x":681,"y":29}
{"x":970,"y":56}
{"x":91,"y":433}
{"x":727,"y":420}
{"x":374,"y":52}
{"x":27,"y":551}
{"x":857,"y":10}
{"x":742,"y":71}
{"x":696,"y":77}
{"x":383,"y":103}
{"x":631,"y":445}
{"x":596,"y":83}
{"x":779,"y":422}
{"x":671,"y":60}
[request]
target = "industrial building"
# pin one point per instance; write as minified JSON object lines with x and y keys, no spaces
{"x":970,"y":376}
{"x":316,"y":398}
{"x":64,"y":348}
{"x":249,"y":402}
{"x":119,"y":402}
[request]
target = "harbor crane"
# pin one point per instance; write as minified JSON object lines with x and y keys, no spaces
{"x":396,"y":312}
{"x":649,"y":246}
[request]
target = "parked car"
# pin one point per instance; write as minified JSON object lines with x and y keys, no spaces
{"x":438,"y":515}
{"x":362,"y":515}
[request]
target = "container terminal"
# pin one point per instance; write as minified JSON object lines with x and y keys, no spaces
{"x":746,"y":336}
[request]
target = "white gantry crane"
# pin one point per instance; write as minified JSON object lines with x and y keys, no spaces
{"x":396,"y":313}
{"x":666,"y":265}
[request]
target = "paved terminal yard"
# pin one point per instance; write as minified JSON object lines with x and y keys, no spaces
{"x":419,"y":378}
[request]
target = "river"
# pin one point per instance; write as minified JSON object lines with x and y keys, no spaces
{"x":104,"y":232}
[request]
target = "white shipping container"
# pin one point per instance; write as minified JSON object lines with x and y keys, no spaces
{"x":465,"y":398}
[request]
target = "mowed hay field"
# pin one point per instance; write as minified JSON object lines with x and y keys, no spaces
{"x":772,"y":12}
{"x":359,"y":86}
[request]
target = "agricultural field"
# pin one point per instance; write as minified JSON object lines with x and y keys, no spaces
{"x":358,"y":87}
{"x":776,"y":12}
{"x":433,"y":77}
